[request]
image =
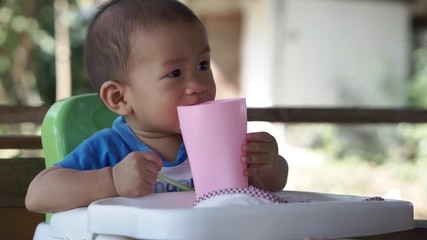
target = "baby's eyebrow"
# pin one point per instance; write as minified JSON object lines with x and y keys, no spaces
{"x":174,"y":61}
{"x":206,"y":49}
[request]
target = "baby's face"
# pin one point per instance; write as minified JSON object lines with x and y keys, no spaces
{"x":171,"y":68}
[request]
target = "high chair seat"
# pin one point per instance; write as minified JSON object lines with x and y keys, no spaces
{"x":172,"y":216}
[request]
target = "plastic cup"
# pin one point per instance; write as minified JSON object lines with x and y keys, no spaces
{"x":213,"y":133}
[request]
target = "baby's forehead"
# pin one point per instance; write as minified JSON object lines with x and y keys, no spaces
{"x":148,"y":12}
{"x":168,"y":39}
{"x":162,"y":29}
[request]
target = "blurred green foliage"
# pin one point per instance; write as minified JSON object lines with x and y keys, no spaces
{"x":28,"y":26}
{"x":418,"y":82}
{"x":414,"y":136}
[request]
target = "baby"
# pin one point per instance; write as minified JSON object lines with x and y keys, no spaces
{"x":144,"y":58}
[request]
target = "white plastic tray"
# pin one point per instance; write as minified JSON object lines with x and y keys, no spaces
{"x":172,"y":216}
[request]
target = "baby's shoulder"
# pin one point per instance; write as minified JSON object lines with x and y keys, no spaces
{"x":104,"y":136}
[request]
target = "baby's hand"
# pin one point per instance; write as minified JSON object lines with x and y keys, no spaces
{"x":267,"y":169}
{"x":261,"y":154}
{"x":135,"y":175}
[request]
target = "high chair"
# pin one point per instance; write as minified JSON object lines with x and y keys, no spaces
{"x":172,"y":216}
{"x":67,"y":123}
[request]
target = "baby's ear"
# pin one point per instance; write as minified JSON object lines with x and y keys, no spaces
{"x":113,"y":95}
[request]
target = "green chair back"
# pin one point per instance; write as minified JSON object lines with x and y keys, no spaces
{"x":69,"y":122}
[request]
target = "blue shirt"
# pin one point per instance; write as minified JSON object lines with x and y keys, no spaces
{"x":109,"y":146}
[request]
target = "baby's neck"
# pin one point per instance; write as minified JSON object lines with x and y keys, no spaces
{"x":166,"y":146}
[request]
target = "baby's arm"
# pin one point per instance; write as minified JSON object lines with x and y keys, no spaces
{"x":266,"y":168}
{"x":59,"y":189}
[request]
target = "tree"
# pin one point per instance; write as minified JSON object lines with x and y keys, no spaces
{"x":27,"y":56}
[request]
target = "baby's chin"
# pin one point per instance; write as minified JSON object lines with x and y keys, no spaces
{"x":157,"y":133}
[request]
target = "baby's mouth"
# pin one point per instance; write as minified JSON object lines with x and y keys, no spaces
{"x":198,"y":101}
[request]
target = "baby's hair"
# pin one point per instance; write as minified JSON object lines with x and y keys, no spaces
{"x":108,"y":45}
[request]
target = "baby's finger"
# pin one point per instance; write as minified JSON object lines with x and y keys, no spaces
{"x":150,"y":178}
{"x":259,"y":147}
{"x":153,"y":158}
{"x":255,"y":170}
{"x":259,"y":137}
{"x":151,"y":167}
{"x":263,"y":158}
{"x":147,"y":188}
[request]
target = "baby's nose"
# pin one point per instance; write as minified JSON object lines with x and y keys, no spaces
{"x":195,"y":87}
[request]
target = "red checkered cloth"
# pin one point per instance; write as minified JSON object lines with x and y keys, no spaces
{"x":380,"y":199}
{"x":259,"y":193}
{"x":251,"y":190}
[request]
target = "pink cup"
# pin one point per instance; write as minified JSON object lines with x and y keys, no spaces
{"x":214,"y":133}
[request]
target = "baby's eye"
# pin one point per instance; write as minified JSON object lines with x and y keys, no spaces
{"x":175,"y":73}
{"x":203,"y":66}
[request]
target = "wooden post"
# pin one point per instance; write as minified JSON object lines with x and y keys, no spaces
{"x":62,"y":51}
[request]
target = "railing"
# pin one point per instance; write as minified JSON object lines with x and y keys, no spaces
{"x":17,"y":173}
{"x":20,"y":114}
{"x":337,"y":115}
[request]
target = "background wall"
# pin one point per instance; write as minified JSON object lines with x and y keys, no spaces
{"x":325,"y":53}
